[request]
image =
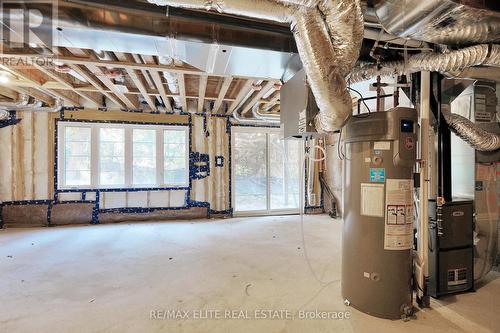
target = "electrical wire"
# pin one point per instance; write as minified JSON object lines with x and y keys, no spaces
{"x":365,"y":115}
{"x":307,"y":155}
{"x":405,"y":48}
{"x":339,"y":149}
{"x":483,"y":86}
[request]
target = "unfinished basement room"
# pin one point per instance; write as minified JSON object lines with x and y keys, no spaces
{"x":267,"y":166}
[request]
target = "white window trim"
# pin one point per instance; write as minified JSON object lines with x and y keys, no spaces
{"x":94,"y":154}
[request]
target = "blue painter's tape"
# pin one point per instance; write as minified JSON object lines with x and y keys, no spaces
{"x":125,"y":189}
{"x":199,"y":165}
{"x":377,"y":175}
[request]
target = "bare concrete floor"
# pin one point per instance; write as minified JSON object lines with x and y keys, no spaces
{"x":109,"y":278}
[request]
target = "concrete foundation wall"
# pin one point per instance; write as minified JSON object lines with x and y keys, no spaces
{"x":69,"y":213}
{"x":25,"y":216}
{"x":160,"y":215}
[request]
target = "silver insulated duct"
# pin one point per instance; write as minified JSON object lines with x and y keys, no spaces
{"x":488,"y":55}
{"x":328,"y":35}
{"x":483,"y":54}
{"x":478,"y":138}
{"x":449,"y":22}
{"x":452,"y":22}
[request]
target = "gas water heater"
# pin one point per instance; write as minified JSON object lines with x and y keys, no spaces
{"x":380,"y":152}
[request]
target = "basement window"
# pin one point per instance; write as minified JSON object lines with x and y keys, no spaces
{"x":102,"y":155}
{"x":112,"y":156}
{"x":144,"y":156}
{"x":76,"y":164}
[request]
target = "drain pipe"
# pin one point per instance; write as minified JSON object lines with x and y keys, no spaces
{"x":37,"y":108}
{"x":257,"y":114}
{"x":423,"y":215}
{"x":23,"y":101}
{"x":254,"y":121}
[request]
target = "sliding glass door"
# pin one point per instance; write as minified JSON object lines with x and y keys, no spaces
{"x":265,"y":172}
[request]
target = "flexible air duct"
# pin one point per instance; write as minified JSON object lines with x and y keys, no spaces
{"x":325,"y":64}
{"x":23,"y":101}
{"x":36,"y":107}
{"x":488,"y":55}
{"x":483,"y":54}
{"x":478,"y":138}
{"x":452,"y":22}
{"x":328,"y":36}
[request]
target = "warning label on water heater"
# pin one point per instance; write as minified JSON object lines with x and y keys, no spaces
{"x":398,"y":233}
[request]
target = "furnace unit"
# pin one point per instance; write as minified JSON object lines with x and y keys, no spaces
{"x":380,"y":152}
{"x":451,"y":246}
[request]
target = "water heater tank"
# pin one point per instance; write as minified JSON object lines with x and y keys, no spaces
{"x":380,"y":152}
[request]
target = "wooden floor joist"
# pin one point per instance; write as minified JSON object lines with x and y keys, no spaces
{"x":138,"y":83}
{"x":68,"y":85}
{"x":142,"y":75}
{"x":111,"y":86}
{"x":222,"y":93}
{"x":96,"y":85}
{"x":202,"y":88}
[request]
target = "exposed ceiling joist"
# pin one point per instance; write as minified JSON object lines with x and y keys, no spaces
{"x":222,"y":93}
{"x":182,"y":91}
{"x":269,"y":85}
{"x":111,"y":86}
{"x":139,"y":84}
{"x":33,"y":93}
{"x":8,"y":92}
{"x":62,"y":81}
{"x":161,"y":88}
{"x":95,"y":84}
{"x":201,"y":92}
{"x":39,"y":86}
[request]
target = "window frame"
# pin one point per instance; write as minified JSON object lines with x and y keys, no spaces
{"x":95,"y":158}
{"x":268,"y":211}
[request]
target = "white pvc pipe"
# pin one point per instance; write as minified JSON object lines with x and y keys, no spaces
{"x":423,"y":231}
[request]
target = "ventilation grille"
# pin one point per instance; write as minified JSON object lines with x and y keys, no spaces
{"x":457,"y":276}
